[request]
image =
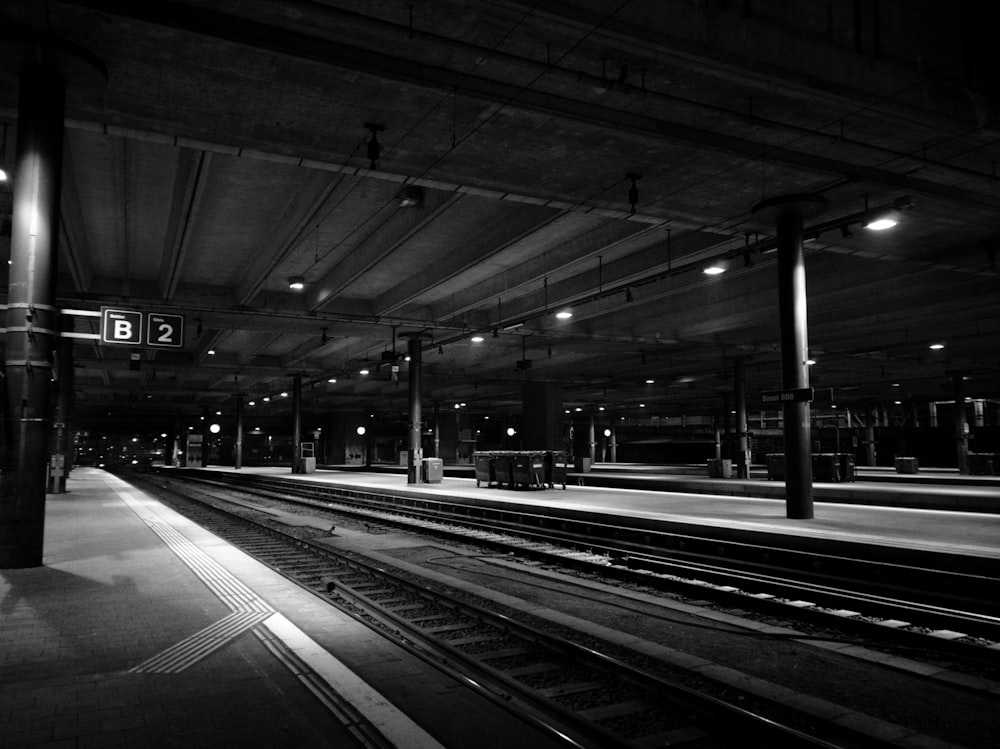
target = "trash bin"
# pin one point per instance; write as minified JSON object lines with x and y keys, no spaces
{"x":775,"y":466}
{"x":432,"y":470}
{"x":485,"y":468}
{"x":555,"y":469}
{"x":906,"y":465}
{"x":581,"y":465}
{"x":720,"y":468}
{"x":983,"y":464}
{"x":847,"y":471}
{"x":503,"y":470}
{"x":528,"y":469}
{"x":825,"y":467}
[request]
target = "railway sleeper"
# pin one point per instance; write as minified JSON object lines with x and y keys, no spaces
{"x":566,"y":690}
{"x":688,"y":735}
{"x":530,"y":670}
{"x":615,"y":710}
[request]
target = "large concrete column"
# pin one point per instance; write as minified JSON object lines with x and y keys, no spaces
{"x":31,"y":316}
{"x":414,"y":443}
{"x":788,"y":213}
{"x":742,"y":432}
{"x":542,"y":415}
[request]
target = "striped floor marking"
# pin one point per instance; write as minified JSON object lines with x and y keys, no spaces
{"x":375,"y":722}
{"x":248,"y":608}
{"x":200,"y":645}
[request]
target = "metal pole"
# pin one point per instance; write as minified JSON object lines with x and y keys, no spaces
{"x":206,"y":435}
{"x":238,"y":447}
{"x":297,"y":463}
{"x":414,"y":456}
{"x":742,"y":434}
{"x":591,"y":436}
{"x":61,"y":444}
{"x":961,"y":426}
{"x":788,"y":213}
{"x":31,"y":317}
{"x":437,"y":430}
{"x":794,"y":370}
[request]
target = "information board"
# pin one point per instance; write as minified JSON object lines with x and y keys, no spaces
{"x":794,"y":395}
{"x":124,"y":327}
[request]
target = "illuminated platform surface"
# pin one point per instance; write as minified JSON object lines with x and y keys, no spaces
{"x":143,"y":629}
{"x":973,"y":533}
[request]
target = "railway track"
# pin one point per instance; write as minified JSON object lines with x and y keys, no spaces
{"x":586,"y":697}
{"x":913,"y":605}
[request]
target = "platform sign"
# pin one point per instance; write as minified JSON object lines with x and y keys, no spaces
{"x":121,"y":326}
{"x":165,"y":331}
{"x":793,"y":395}
{"x":144,"y":329}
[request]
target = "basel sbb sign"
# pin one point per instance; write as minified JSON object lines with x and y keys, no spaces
{"x":148,"y":329}
{"x":794,"y":395}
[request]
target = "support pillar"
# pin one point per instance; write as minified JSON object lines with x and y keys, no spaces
{"x":961,"y":426}
{"x":614,"y":444}
{"x":414,"y":455}
{"x":61,"y":460}
{"x":238,"y":445}
{"x":437,"y":430}
{"x":31,"y":316}
{"x":788,"y":213}
{"x":870,"y":435}
{"x":742,"y":432}
{"x":591,"y":438}
{"x":206,"y":436}
{"x":297,"y":462}
{"x":542,"y":415}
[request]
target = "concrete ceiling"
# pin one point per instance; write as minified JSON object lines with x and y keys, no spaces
{"x":230,"y":149}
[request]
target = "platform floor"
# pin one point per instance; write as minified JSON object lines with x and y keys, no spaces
{"x":972,"y":533}
{"x":142,"y":629}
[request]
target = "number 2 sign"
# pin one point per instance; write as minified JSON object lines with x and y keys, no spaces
{"x":164,"y":330}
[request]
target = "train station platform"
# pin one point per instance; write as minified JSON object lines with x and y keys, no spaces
{"x":949,"y":532}
{"x":143,"y":629}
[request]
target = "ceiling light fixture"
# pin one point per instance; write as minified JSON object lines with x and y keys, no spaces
{"x":412,"y":196}
{"x":715,"y":269}
{"x":477,"y":339}
{"x":296,"y":283}
{"x":881,"y":223}
{"x":564,"y":314}
{"x":936,"y":346}
{"x":880,"y":219}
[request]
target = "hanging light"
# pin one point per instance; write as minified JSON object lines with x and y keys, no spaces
{"x":296,"y":283}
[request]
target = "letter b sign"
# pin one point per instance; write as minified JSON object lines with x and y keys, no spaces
{"x":121,"y":326}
